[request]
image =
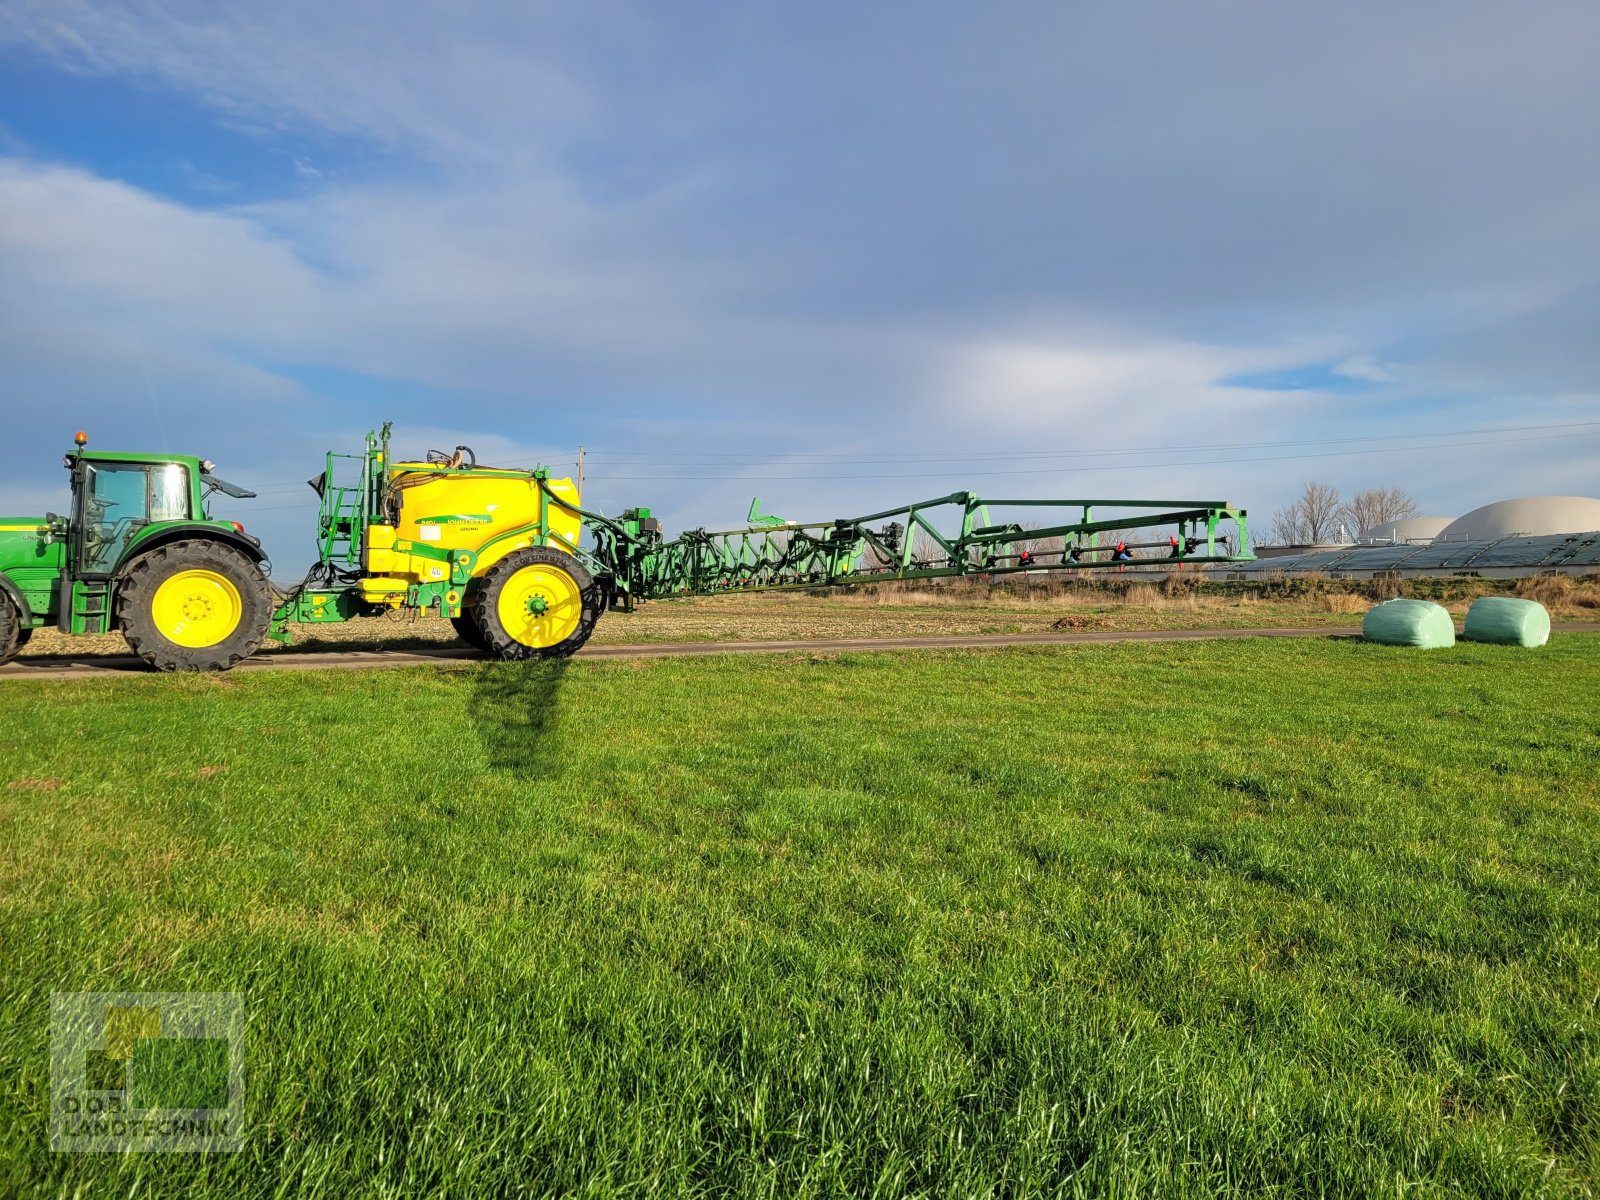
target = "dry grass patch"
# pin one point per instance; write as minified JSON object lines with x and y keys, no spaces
{"x":1562,"y":594}
{"x":1080,"y":621}
{"x":1162,"y":598}
{"x":1344,"y":602}
{"x":1179,"y":600}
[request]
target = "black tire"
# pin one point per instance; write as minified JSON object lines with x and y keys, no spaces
{"x":467,"y":630}
{"x":13,"y":636}
{"x":142,"y":578}
{"x":498,"y":640}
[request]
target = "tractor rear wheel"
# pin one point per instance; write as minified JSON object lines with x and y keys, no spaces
{"x":13,"y":636}
{"x":536,"y":603}
{"x":193,"y":606}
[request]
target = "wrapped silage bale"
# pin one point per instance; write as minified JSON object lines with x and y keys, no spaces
{"x":1419,"y":623}
{"x":1507,"y":621}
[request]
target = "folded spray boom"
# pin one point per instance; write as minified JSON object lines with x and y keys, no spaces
{"x":947,"y":536}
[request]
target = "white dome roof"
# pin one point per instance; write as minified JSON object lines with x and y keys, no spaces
{"x":1533,"y":515}
{"x":1406,"y":529}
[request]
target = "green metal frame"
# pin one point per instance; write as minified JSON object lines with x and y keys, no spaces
{"x":958,"y":538}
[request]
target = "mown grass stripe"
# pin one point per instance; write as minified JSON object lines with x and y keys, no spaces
{"x":1279,"y":918}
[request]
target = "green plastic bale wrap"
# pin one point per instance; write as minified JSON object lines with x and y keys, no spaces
{"x":1419,"y":623}
{"x":1506,"y":621}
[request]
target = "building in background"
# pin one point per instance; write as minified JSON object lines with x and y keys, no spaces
{"x":1267,"y":550}
{"x":1405,"y":531}
{"x":1529,"y":535}
{"x":1528,"y":515}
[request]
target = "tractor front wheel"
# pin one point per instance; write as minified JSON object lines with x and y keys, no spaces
{"x":13,"y":636}
{"x":193,"y":606}
{"x":536,"y":603}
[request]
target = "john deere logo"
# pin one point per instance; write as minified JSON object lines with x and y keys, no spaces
{"x":457,"y":519}
{"x":146,"y":1071}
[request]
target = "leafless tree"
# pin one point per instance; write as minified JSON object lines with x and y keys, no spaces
{"x":1036,"y":546}
{"x":1286,"y":526}
{"x":1311,"y":519}
{"x":925,"y":549}
{"x":873,"y":558}
{"x":1377,"y":506}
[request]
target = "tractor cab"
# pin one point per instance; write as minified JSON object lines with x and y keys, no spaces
{"x":138,"y":555}
{"x":120,"y":499}
{"x":116,"y":497}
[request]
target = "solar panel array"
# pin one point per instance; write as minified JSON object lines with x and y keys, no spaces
{"x":1549,"y":552}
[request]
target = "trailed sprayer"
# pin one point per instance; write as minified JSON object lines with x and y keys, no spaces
{"x":499,"y":551}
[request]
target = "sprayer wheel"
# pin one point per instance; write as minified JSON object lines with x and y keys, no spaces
{"x":536,"y":603}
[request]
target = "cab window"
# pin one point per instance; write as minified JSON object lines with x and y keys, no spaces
{"x":169,"y":493}
{"x":119,"y":499}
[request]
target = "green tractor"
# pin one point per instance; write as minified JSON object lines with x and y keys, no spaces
{"x":138,"y":555}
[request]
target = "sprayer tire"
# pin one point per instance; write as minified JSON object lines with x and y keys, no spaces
{"x":511,"y":626}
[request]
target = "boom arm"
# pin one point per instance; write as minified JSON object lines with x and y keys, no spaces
{"x":947,"y":536}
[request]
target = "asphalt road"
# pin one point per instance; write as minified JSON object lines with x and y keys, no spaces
{"x":349,"y":660}
{"x":354,"y":660}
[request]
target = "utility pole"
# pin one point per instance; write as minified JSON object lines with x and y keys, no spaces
{"x":580,"y":474}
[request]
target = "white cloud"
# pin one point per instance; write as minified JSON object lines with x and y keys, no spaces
{"x":1084,"y":384}
{"x":408,"y":75}
{"x":1364,"y":367}
{"x":153,"y":318}
{"x":116,"y":252}
{"x":823,"y":228}
{"x":480,"y":291}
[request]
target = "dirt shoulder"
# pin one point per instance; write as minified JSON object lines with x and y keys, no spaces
{"x":893,"y":613}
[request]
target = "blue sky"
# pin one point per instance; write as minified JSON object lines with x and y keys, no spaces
{"x":838,"y":255}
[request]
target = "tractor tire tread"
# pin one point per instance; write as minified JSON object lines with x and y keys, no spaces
{"x":13,"y":637}
{"x":139,"y":580}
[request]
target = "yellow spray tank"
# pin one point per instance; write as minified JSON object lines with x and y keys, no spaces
{"x":488,"y":511}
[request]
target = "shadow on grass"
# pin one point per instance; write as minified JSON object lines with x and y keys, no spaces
{"x":513,"y":710}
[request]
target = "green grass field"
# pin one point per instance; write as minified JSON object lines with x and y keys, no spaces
{"x":1309,"y":918}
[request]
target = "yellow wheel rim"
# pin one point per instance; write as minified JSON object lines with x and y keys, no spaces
{"x":197,"y":608}
{"x":540,"y":606}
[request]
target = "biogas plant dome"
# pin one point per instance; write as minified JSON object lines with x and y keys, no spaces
{"x":1534,"y":515}
{"x":1406,"y":529}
